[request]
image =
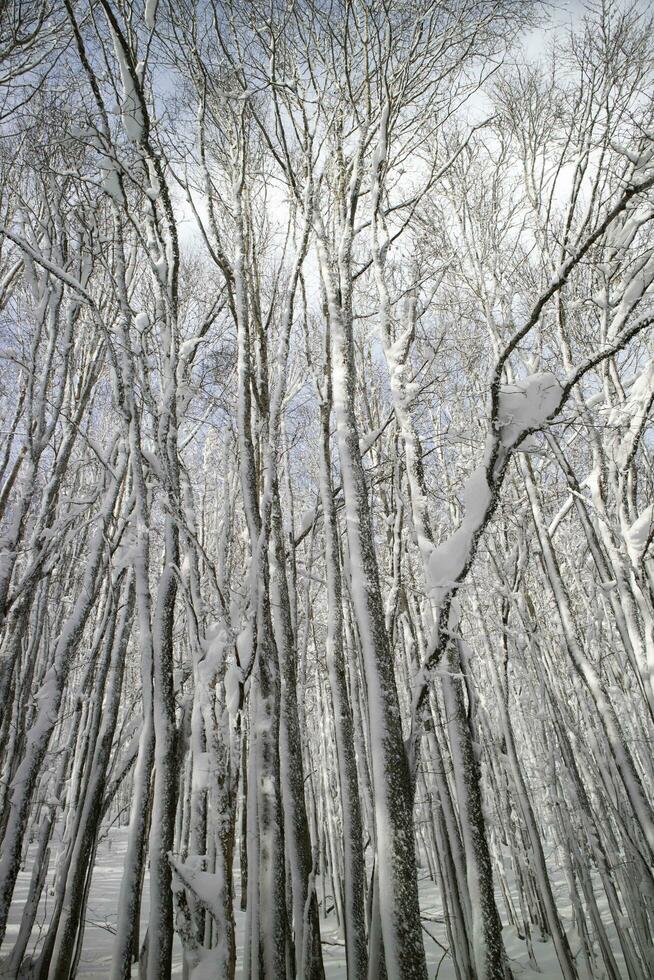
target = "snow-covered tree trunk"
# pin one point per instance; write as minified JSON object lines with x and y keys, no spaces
{"x":398,"y":892}
{"x":353,"y":858}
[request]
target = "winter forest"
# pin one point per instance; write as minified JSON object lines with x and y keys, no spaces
{"x":326,"y":489}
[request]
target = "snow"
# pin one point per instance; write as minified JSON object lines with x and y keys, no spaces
{"x":101,"y":920}
{"x":447,"y":560}
{"x":150,"y":13}
{"x":476,"y":495}
{"x":109,"y":180}
{"x":131,"y":109}
{"x":244,"y":644}
{"x":624,"y":419}
{"x":307,"y":520}
{"x":205,"y":885}
{"x":367,"y":441}
{"x":206,"y":968}
{"x":48,"y":697}
{"x":527,"y":405}
{"x":523,"y":406}
{"x":187,"y":348}
{"x":639,"y":533}
{"x":215,"y":650}
{"x":201,"y":770}
{"x":161,"y":268}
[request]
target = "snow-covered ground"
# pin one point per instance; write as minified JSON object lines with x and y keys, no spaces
{"x":103,"y":902}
